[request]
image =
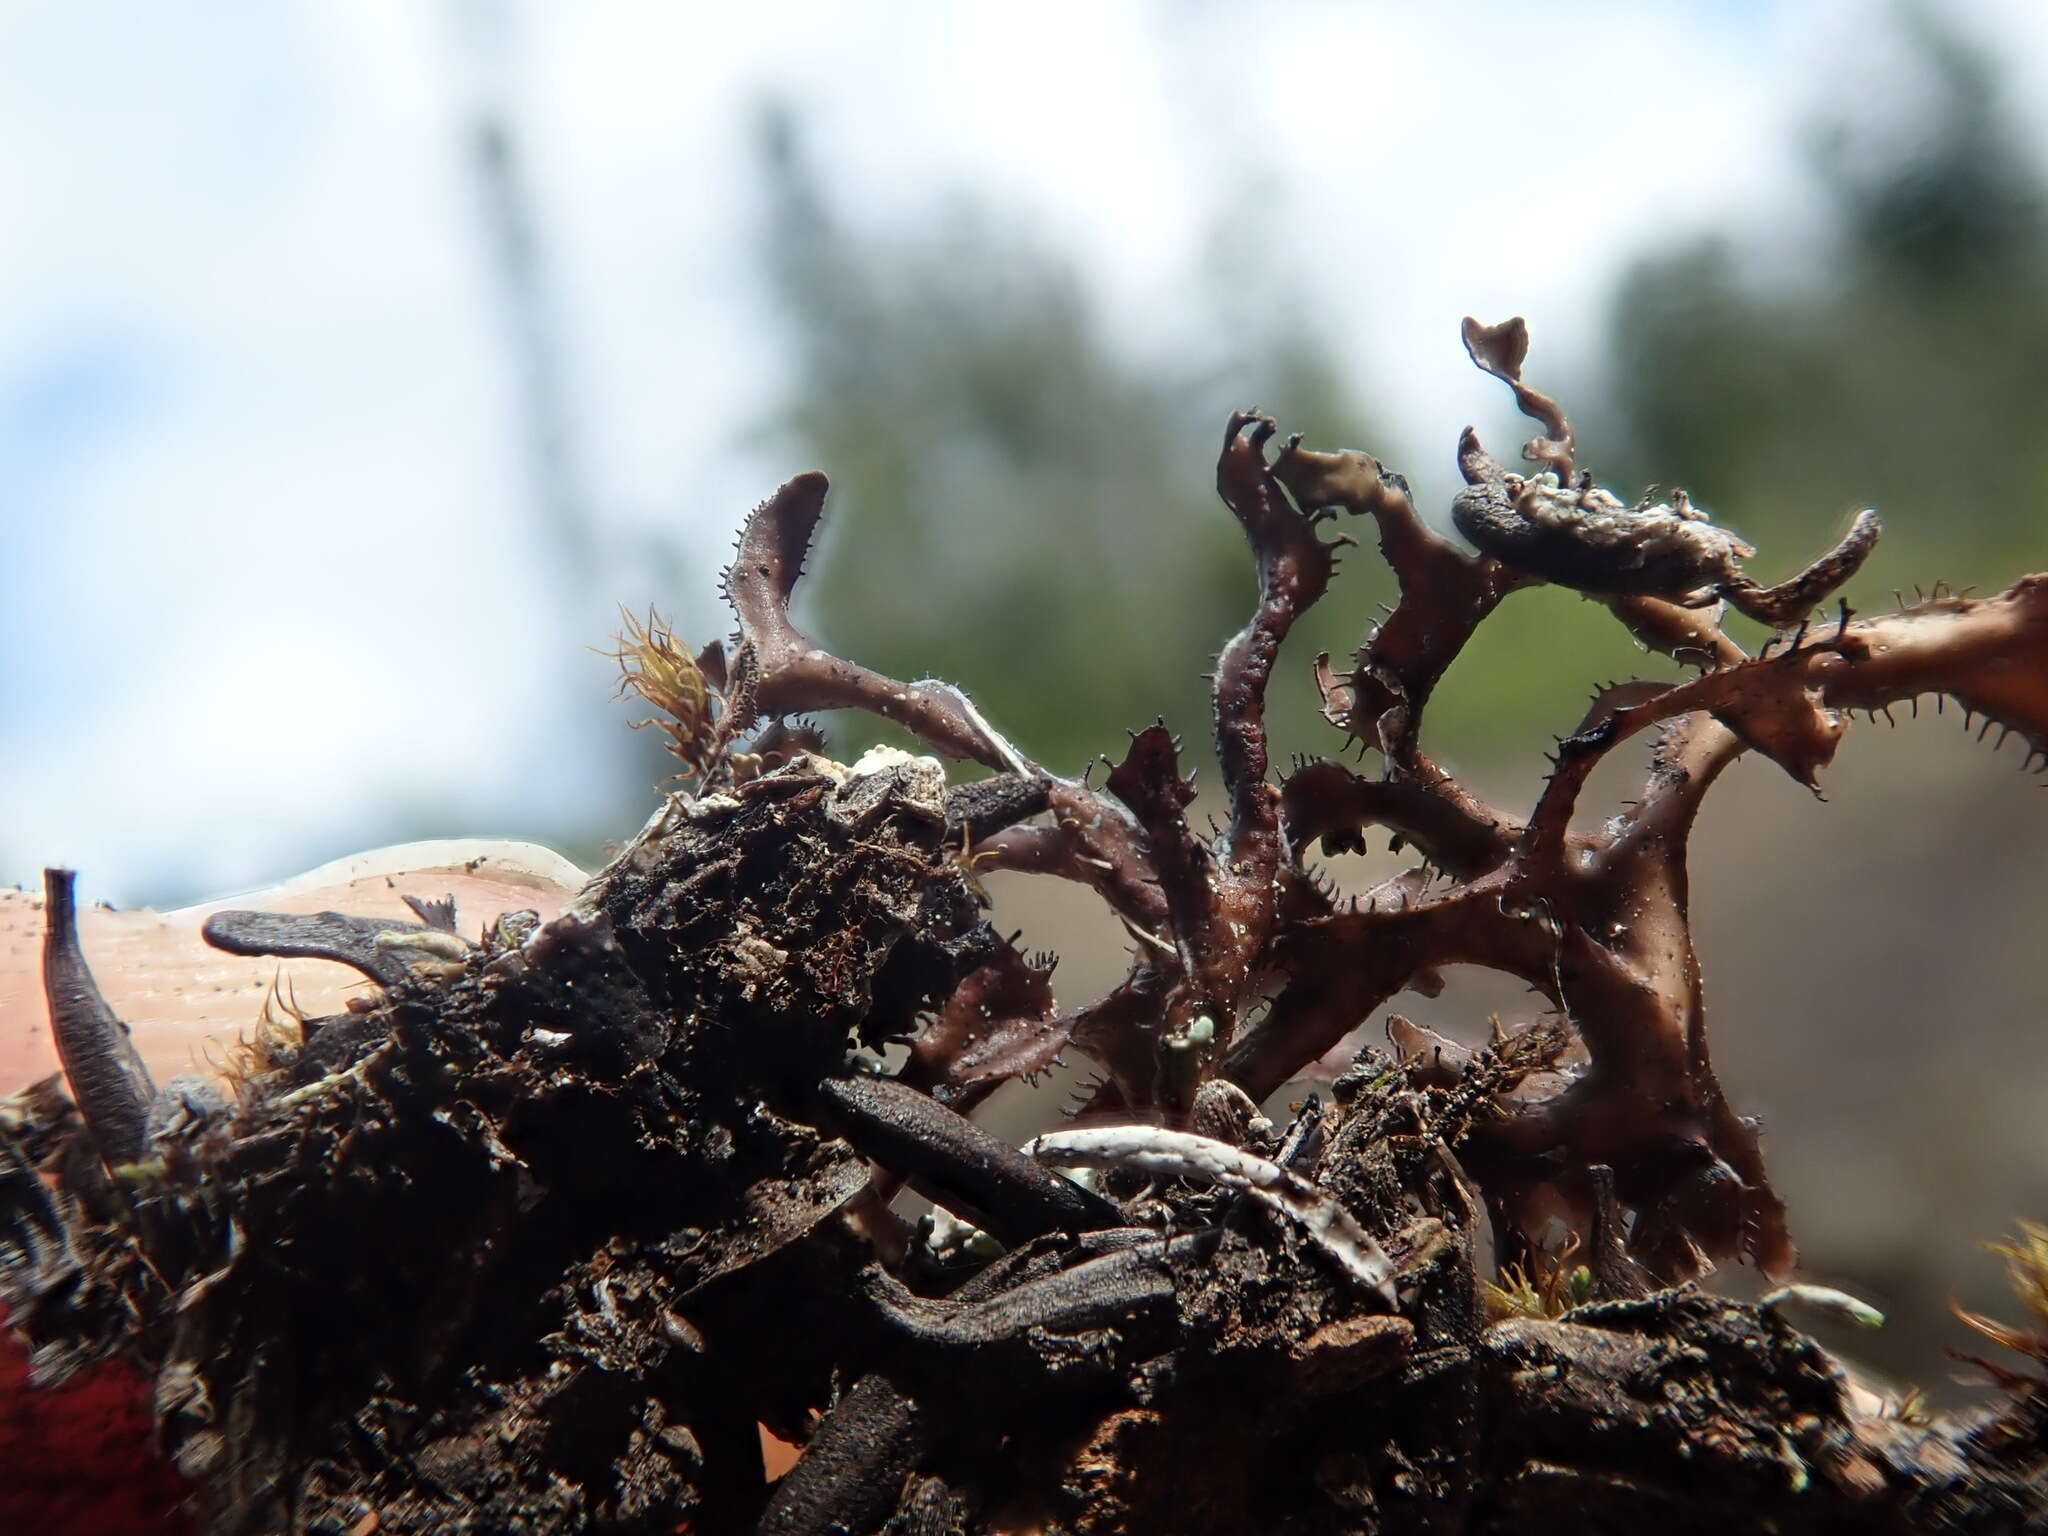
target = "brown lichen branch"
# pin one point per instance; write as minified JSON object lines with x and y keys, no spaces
{"x":1342,"y":965}
{"x":1563,"y":527}
{"x":1223,"y":896}
{"x":1130,"y":844}
{"x":1445,"y":593}
{"x":1065,"y":849}
{"x":1147,"y":780}
{"x":1595,"y":922}
{"x":1501,"y":350}
{"x":1203,"y":912}
{"x":1795,"y":597}
{"x":999,"y":1023}
{"x":1422,"y":806}
{"x":1613,"y":905}
{"x":1694,"y":637}
{"x":1992,"y":652}
{"x":1294,"y":569}
{"x":1988,"y":654}
{"x":1598,"y":922}
{"x":1613,"y":952}
{"x":779,"y":670}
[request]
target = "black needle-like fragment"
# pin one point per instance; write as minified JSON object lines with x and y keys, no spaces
{"x":1096,"y":1293}
{"x":381,"y":949}
{"x":1303,"y":1144}
{"x":108,"y":1081}
{"x":850,"y":1475}
{"x":960,"y":1165}
{"x":435,"y":914}
{"x":974,"y":811}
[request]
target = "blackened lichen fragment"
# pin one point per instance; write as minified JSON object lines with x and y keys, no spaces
{"x":818,"y":905}
{"x":382,"y":950}
{"x":107,"y":1077}
{"x":849,"y":1476}
{"x":978,"y":1175}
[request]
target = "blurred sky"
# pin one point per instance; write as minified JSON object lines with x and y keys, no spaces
{"x":274,"y":583}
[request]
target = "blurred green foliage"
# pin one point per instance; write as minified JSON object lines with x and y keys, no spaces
{"x":1908,"y":373}
{"x":1024,"y":506}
